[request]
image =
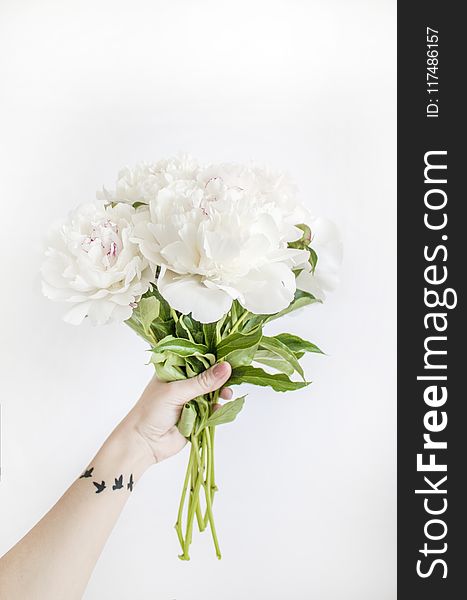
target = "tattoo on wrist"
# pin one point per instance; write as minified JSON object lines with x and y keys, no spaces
{"x":118,"y":482}
{"x":100,"y":487}
{"x":87,"y":473}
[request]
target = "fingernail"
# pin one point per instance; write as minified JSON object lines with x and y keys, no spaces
{"x":220,"y":369}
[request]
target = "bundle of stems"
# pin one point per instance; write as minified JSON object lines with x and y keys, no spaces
{"x":199,"y":481}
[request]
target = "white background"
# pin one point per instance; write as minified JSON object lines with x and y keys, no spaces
{"x":307,"y":502}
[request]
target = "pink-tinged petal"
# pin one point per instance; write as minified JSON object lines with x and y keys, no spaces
{"x":93,"y":263}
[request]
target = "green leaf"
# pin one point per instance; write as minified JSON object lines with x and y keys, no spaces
{"x":296,"y":344}
{"x":301,"y":299}
{"x":210,"y":338}
{"x":207,"y":359}
{"x":253,"y":322}
{"x":134,"y":324}
{"x":239,"y":358}
{"x":306,"y":237}
{"x":194,"y":366}
{"x":180,"y":346}
{"x":168,"y":373}
{"x":187,"y":419}
{"x":313,"y":259}
{"x":233,"y":312}
{"x":219,"y":326}
{"x":226,"y":413}
{"x":274,"y":361}
{"x":169,"y":359}
{"x":165,"y":313}
{"x":238,"y":341}
{"x":188,"y":328}
{"x":180,"y":330}
{"x":275,"y":345}
{"x":279,"y":383}
{"x":303,"y":242}
{"x":198,"y":336}
{"x":148,"y":309}
{"x":163,"y":328}
{"x":193,"y":323}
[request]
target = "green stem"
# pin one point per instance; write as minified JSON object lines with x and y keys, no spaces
{"x":213,"y":475}
{"x":192,"y":492}
{"x":178,"y":524}
{"x":198,"y":472}
{"x":207,"y":442}
{"x":194,"y":500}
{"x":211,"y":431}
{"x":210,"y":484}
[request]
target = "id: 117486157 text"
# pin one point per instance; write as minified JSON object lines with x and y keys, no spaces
{"x":432,"y":65}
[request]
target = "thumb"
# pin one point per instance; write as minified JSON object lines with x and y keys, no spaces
{"x":205,"y":382}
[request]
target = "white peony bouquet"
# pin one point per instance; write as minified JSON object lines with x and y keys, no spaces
{"x":198,"y":260}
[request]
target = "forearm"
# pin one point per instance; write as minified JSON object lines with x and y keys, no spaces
{"x":56,"y":558}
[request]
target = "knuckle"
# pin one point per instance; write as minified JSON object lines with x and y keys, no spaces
{"x":204,"y":380}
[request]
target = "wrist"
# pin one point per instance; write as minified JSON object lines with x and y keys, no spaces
{"x":128,"y":447}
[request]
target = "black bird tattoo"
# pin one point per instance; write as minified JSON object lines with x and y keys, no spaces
{"x":118,"y":483}
{"x":100,"y":487}
{"x":87,"y":473}
{"x":130,"y":483}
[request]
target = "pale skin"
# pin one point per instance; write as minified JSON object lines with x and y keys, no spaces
{"x":55,"y":559}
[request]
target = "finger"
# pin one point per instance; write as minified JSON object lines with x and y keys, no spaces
{"x":226,"y":393}
{"x":205,"y":382}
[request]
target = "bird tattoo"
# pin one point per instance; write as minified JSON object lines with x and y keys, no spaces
{"x":118,"y":485}
{"x":100,"y":487}
{"x":87,"y":473}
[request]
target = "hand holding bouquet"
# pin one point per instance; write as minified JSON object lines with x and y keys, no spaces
{"x":198,"y":260}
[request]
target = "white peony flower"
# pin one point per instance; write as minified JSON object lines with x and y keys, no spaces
{"x":143,"y":182}
{"x":326,"y":242}
{"x":93,"y":265}
{"x":271,"y":190}
{"x":218,"y":239}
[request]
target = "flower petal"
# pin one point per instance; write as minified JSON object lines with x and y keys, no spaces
{"x":267,"y":290}
{"x":188,"y":294}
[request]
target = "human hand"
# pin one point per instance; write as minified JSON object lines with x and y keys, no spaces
{"x":154,"y":417}
{"x":78,"y":525}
